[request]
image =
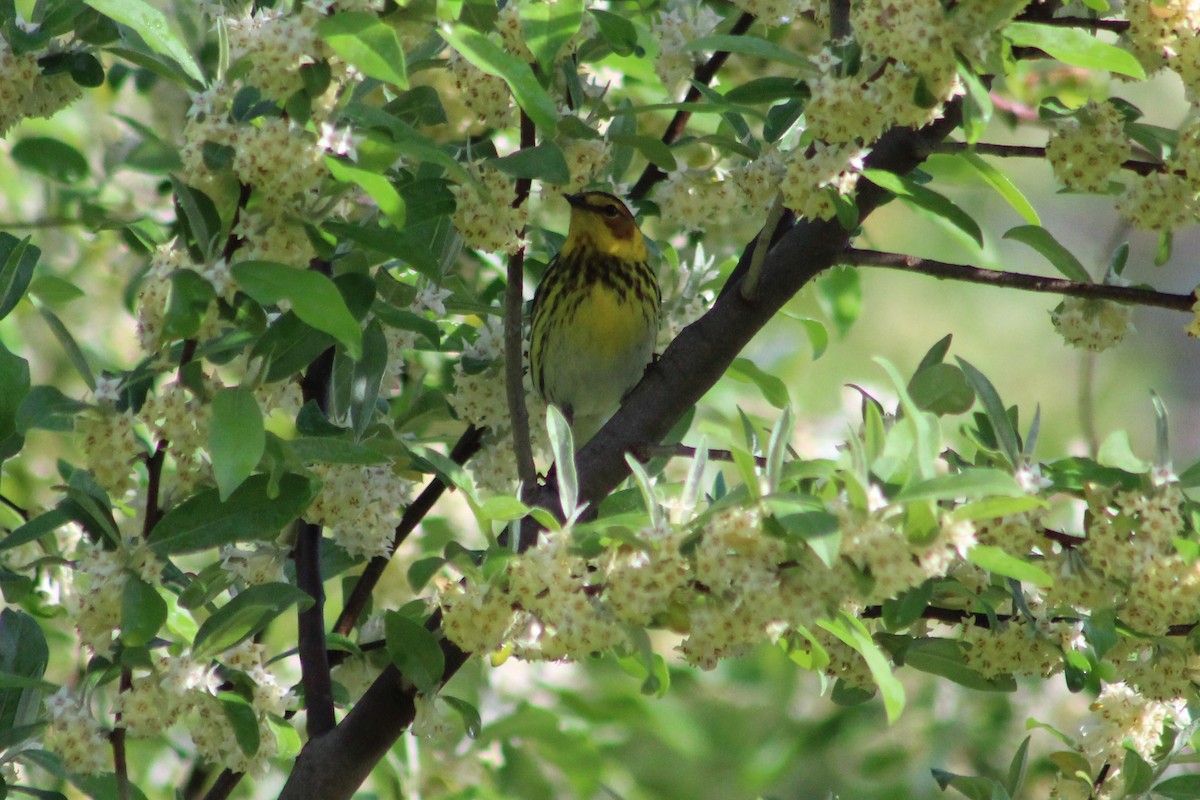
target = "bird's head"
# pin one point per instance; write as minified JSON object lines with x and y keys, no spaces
{"x":602,"y":222}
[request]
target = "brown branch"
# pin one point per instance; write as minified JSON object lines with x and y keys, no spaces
{"x":1035,"y":151}
{"x":466,"y":446}
{"x":646,"y":451}
{"x":1018,"y":280}
{"x":154,"y":467}
{"x":1113,"y":25}
{"x":315,"y":386}
{"x":226,"y":782}
{"x":117,"y":740}
{"x":514,"y":361}
{"x":703,"y":75}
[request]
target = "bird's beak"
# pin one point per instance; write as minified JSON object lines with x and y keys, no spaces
{"x":576,"y":200}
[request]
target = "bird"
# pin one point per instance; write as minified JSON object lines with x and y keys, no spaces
{"x":595,"y":314}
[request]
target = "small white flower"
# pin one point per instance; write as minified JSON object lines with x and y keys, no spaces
{"x":430,"y":298}
{"x":107,"y":389}
{"x":340,"y":141}
{"x":219,"y":276}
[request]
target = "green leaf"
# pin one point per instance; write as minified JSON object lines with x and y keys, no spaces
{"x":367,"y":378}
{"x":753,"y":46}
{"x":377,"y":187}
{"x":941,"y":389}
{"x":852,"y":632}
{"x":924,"y":197}
{"x":252,"y":512}
{"x":1006,"y":435}
{"x":51,"y":290}
{"x":236,"y":438}
{"x":23,"y":654}
{"x":970,"y":483}
{"x":619,"y":32}
{"x":17,"y":260}
{"x":151,"y":24}
{"x":36,"y":528}
{"x":651,"y":147}
{"x":839,"y":291}
{"x":414,"y":650}
{"x":314,"y":298}
{"x":1017,"y":769}
{"x":143,"y":612}
{"x":970,"y":786}
{"x":1181,"y":787}
{"x":944,"y":658}
{"x":1117,"y":451}
{"x":548,"y":27}
{"x":1003,"y":186}
{"x":773,"y":389}
{"x":243,"y":720}
{"x":996,"y":560}
{"x":14,"y":388}
{"x":494,"y":60}
{"x":47,"y":408}
{"x":1074,"y":46}
{"x":562,"y":445}
{"x":544,"y":163}
{"x":469,"y":714}
{"x":1044,"y":242}
{"x":56,"y":160}
{"x":69,"y":346}
{"x":249,"y":612}
{"x":370,"y":45}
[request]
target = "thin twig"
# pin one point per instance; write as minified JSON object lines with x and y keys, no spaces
{"x":466,"y":446}
{"x":839,"y":19}
{"x":1035,"y":151}
{"x":117,"y":739}
{"x":1113,"y":25}
{"x":646,"y":451}
{"x":1018,"y":280}
{"x":703,"y":75}
{"x":514,"y":361}
{"x":154,"y":467}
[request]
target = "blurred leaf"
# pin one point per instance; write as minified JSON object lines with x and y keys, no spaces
{"x":774,"y":390}
{"x":151,"y":24}
{"x":17,"y":260}
{"x":56,"y":160}
{"x":314,"y":298}
{"x":548,"y":27}
{"x":1044,"y":242}
{"x":249,"y":612}
{"x":472,"y":722}
{"x":414,"y":650}
{"x":243,"y":719}
{"x":1006,"y":435}
{"x":47,"y":408}
{"x":652,"y":149}
{"x":619,"y":32}
{"x":970,"y":786}
{"x":839,"y":291}
{"x":754,"y":46}
{"x":367,"y":378}
{"x":143,"y":612}
{"x":922,"y":196}
{"x":1181,"y":787}
{"x":52,"y":290}
{"x":251,"y":513}
{"x":944,"y":658}
{"x":941,"y":389}
{"x":494,"y":60}
{"x":23,"y":654}
{"x":562,"y":445}
{"x":998,"y":561}
{"x":67,"y":341}
{"x":1074,"y":46}
{"x":970,"y":483}
{"x":1003,"y":186}
{"x":236,"y":438}
{"x":14,"y":389}
{"x":1117,"y":451}
{"x":377,"y":187}
{"x":544,"y":162}
{"x":359,"y":38}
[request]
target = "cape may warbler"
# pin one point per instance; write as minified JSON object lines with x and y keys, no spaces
{"x":595,"y":314}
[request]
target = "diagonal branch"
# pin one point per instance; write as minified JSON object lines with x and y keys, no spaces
{"x":332,"y":766}
{"x":703,"y":75}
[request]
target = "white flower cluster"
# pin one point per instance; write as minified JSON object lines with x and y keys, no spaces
{"x":175,"y":416}
{"x":1092,"y":324}
{"x":691,"y":201}
{"x":484,"y":212}
{"x":674,"y":28}
{"x":75,"y":735}
{"x":684,"y":296}
{"x":1085,"y":151}
{"x":26,"y":92}
{"x":809,"y":180}
{"x":485,"y":95}
{"x":360,"y":505}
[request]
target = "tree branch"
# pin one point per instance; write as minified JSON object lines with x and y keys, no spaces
{"x":332,"y":766}
{"x":226,"y":782}
{"x":1018,"y":280}
{"x":514,"y":361}
{"x":703,"y":75}
{"x":645,"y":452}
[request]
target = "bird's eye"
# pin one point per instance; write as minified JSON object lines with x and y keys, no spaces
{"x":610,"y":211}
